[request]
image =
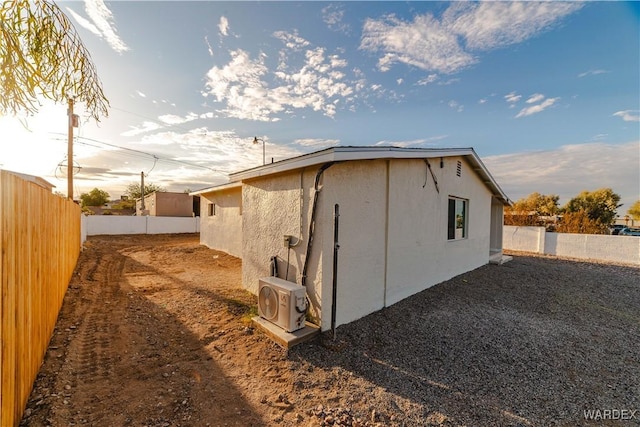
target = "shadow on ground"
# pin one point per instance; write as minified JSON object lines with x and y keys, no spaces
{"x":119,"y":358}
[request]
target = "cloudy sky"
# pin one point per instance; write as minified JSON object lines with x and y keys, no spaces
{"x":546,"y":93}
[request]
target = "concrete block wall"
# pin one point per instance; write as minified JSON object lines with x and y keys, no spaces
{"x":620,"y":249}
{"x":113,"y":225}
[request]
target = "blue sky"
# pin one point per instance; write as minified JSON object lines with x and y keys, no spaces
{"x":548,"y":94}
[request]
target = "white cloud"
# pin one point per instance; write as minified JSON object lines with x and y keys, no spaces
{"x":144,"y":128}
{"x":223,"y":26}
{"x":172,"y":119}
{"x":103,"y":22}
{"x":425,"y":43}
{"x":291,"y":40}
{"x":427,"y":80}
{"x":447,"y":45}
{"x":317,"y":143}
{"x":448,"y":82}
{"x":482,"y":101}
{"x":488,"y":25}
{"x":84,"y":23}
{"x":433,"y":140}
{"x":534,"y":109}
{"x":333,"y":16}
{"x":456,"y":106}
{"x":570,"y":169}
{"x":629,"y":115}
{"x":592,"y":73}
{"x":512,"y":98}
{"x":535,"y":98}
{"x":209,"y":48}
{"x":251,"y":91}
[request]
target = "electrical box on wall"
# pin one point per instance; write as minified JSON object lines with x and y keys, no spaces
{"x":288,"y":241}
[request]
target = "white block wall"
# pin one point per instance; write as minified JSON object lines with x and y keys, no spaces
{"x":621,"y":249}
{"x":93,"y":225}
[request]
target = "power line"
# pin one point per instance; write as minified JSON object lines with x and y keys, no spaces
{"x":144,"y":153}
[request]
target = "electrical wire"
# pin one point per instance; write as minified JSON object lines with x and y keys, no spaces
{"x":144,"y":153}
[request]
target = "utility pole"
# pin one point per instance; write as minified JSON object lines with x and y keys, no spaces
{"x":142,"y":193}
{"x":70,"y":152}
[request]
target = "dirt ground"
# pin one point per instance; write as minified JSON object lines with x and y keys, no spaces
{"x":155,"y":331}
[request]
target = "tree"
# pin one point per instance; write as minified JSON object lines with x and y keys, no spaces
{"x":579,"y":222}
{"x":41,"y":55}
{"x":540,"y":204}
{"x":599,"y":205}
{"x":528,"y":210}
{"x":95,"y":197}
{"x":634,"y":210}
{"x":133,"y":189}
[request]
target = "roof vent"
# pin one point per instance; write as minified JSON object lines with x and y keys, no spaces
{"x":459,"y":169}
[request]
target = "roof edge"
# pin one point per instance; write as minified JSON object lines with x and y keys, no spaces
{"x":338,"y":154}
{"x":349,"y":153}
{"x":217,"y":188}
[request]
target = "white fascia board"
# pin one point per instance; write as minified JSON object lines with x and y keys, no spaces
{"x":217,"y":188}
{"x":343,"y":154}
{"x":487,"y":178}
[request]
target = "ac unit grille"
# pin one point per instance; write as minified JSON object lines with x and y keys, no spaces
{"x":268,"y":301}
{"x":282,"y":302}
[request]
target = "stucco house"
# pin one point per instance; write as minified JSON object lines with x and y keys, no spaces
{"x":408,"y":219}
{"x":166,"y":203}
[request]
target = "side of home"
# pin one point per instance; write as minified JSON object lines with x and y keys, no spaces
{"x":166,"y":203}
{"x":221,"y":218}
{"x":408,"y":219}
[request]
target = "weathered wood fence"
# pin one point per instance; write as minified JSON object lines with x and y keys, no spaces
{"x":40,"y":244}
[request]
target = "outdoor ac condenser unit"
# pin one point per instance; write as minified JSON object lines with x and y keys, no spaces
{"x":282,"y":302}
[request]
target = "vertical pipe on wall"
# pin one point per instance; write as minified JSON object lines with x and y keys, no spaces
{"x":336,"y":247}
{"x":386,"y":236}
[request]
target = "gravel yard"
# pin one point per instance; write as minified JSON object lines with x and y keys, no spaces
{"x":154,"y":331}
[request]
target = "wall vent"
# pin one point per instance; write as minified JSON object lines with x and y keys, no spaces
{"x":459,"y":169}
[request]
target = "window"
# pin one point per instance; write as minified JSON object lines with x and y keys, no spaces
{"x":211,"y":209}
{"x":457,"y":227}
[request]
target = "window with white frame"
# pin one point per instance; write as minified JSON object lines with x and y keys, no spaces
{"x":457,"y":223}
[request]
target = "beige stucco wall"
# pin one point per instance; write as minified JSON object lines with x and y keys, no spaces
{"x":172,"y":204}
{"x":420,"y":255}
{"x":222,"y":231}
{"x":359,"y":188}
{"x":166,"y":204}
{"x":393,"y":231}
{"x":272,"y":209}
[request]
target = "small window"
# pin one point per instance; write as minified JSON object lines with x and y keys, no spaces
{"x":457,"y":226}
{"x":459,"y":168}
{"x":211,"y":209}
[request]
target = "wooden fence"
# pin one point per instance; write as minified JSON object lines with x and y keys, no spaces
{"x":40,"y":244}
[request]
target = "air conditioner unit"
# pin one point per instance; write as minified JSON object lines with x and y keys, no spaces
{"x":282,"y":303}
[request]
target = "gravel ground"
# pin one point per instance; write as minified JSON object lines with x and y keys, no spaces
{"x":536,"y":341}
{"x":155,"y":331}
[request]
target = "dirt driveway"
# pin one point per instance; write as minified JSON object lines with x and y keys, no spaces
{"x":155,"y":331}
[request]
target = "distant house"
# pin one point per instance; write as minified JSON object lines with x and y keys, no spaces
{"x":165,"y":203}
{"x":408,"y":219}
